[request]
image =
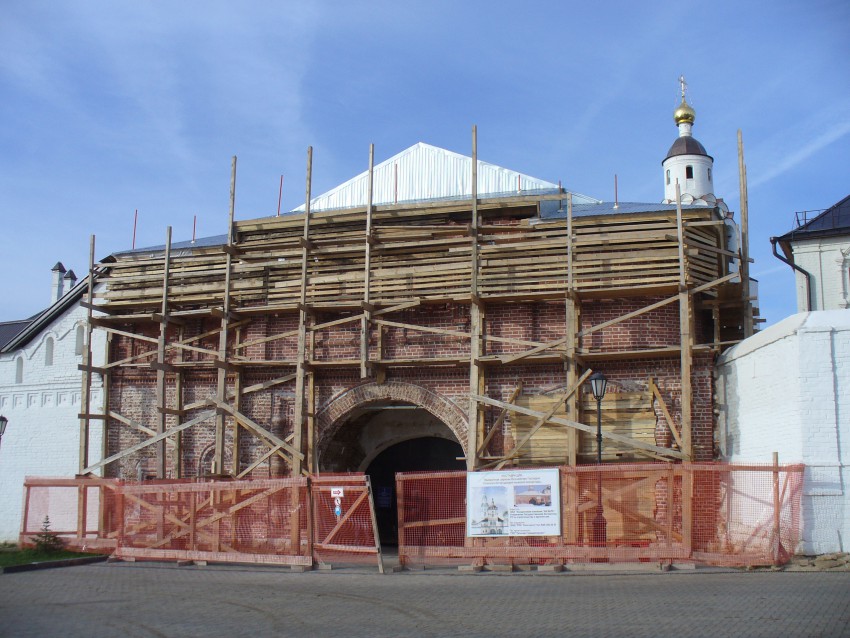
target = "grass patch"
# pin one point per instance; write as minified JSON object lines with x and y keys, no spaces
{"x":10,"y":556}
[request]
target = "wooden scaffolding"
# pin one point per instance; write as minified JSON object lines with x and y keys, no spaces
{"x":361,"y":267}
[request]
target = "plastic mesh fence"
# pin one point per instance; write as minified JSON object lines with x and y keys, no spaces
{"x":709,"y":513}
{"x":344,"y":527}
{"x":80,"y":511}
{"x":273,"y":521}
{"x":256,"y":521}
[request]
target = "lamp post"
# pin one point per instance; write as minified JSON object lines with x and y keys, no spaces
{"x":598,"y":385}
{"x":3,"y":423}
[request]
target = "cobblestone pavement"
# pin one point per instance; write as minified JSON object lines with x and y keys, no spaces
{"x":150,"y":599}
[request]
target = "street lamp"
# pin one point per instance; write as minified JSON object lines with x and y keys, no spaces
{"x":598,"y":385}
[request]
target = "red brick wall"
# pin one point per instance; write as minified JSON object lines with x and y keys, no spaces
{"x":133,"y":390}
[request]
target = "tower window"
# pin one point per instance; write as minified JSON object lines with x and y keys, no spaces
{"x":668,"y":176}
{"x":689,"y":172}
{"x":48,"y":351}
{"x":19,"y":370}
{"x":709,"y":174}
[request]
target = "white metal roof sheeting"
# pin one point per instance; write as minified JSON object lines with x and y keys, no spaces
{"x":425,"y":172}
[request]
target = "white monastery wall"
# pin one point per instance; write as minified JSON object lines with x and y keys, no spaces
{"x":787,"y":390}
{"x":43,"y":434}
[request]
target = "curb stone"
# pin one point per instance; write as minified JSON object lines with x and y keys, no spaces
{"x":50,"y":564}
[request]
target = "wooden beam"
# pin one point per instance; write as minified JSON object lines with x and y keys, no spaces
{"x":259,"y":431}
{"x":500,"y":420}
{"x":671,"y":425}
{"x":476,"y":317}
{"x":686,"y":335}
{"x":300,"y":368}
{"x":745,"y":238}
{"x":154,"y":439}
{"x":365,"y":322}
{"x":85,"y":394}
{"x":221,"y":385}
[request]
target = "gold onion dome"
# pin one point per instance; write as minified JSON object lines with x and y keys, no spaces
{"x":684,"y":113}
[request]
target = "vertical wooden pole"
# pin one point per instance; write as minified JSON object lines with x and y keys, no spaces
{"x":107,"y":387}
{"x":572,"y":328}
{"x":777,"y":510}
{"x":298,"y":425}
{"x":87,"y":362}
{"x":374,"y":524}
{"x":476,"y":312}
{"x":237,"y":404}
{"x":571,"y":311}
{"x":685,"y":334}
{"x":221,"y":389}
{"x":311,"y":422}
{"x":161,"y":387}
{"x":687,"y":471}
{"x":745,"y":240}
{"x":177,"y":463}
{"x":366,"y":320}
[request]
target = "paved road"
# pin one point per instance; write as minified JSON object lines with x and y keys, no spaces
{"x":146,"y":599}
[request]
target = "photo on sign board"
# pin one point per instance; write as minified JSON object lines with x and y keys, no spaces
{"x":489,"y":510}
{"x":533,"y":495}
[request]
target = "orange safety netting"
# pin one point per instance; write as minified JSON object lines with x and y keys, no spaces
{"x":344,"y":526}
{"x":708,"y":513}
{"x":255,"y":521}
{"x":80,"y":511}
{"x":271,"y":521}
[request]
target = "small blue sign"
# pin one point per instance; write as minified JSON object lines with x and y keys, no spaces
{"x":338,"y":511}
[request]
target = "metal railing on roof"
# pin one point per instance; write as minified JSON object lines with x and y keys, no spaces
{"x":803,"y":217}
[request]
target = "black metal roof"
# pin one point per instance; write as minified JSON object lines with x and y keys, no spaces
{"x":11,"y":329}
{"x":686,"y":145}
{"x":833,"y":221}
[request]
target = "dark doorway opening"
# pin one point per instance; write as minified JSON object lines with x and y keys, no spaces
{"x":414,"y":455}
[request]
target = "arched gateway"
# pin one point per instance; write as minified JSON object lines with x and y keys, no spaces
{"x":382,"y":429}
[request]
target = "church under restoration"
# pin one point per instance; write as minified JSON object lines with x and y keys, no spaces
{"x":433,"y":312}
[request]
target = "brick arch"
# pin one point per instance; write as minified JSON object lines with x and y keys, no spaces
{"x":331,"y":417}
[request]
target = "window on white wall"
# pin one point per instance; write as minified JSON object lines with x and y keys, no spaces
{"x":81,"y":339}
{"x":689,"y":172}
{"x":19,"y":370}
{"x":48,"y":351}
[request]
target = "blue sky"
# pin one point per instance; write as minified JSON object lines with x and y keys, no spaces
{"x":108,"y":107}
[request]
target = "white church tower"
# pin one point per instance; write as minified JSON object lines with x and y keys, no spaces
{"x":688,"y":162}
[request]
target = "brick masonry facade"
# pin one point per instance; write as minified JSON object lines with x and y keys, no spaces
{"x":441,"y":390}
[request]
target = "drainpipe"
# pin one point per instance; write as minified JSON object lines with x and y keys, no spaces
{"x":805,"y":273}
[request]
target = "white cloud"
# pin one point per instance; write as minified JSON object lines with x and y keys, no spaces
{"x":798,"y":150}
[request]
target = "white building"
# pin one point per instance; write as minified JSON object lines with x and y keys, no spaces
{"x":787,"y":389}
{"x":819,"y":251}
{"x":40,"y":395}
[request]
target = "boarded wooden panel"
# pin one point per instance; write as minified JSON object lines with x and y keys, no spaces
{"x":626,"y":413}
